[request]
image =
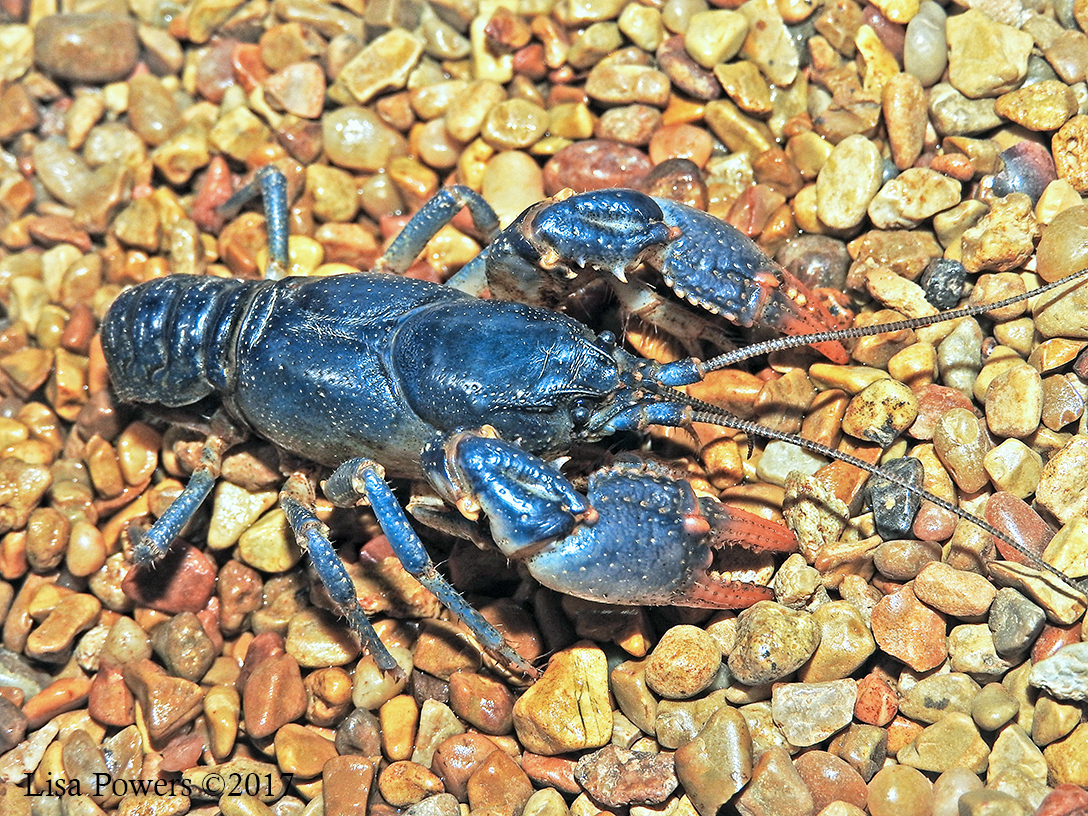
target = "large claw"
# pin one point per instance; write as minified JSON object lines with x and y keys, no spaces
{"x":554,"y":246}
{"x":715,"y":266}
{"x":641,"y":538}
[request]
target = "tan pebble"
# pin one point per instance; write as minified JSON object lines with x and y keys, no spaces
{"x":74,"y":614}
{"x":383,"y":64}
{"x":910,"y":631}
{"x":1014,"y":467}
{"x":221,"y":707}
{"x":301,"y":751}
{"x":961,"y":444}
{"x":971,"y":649}
{"x":1063,"y":490}
{"x":1046,"y":105}
{"x":347,"y":784}
{"x":881,"y":412}
{"x":953,"y":741}
{"x":406,"y":783}
{"x":399,"y":719}
{"x":772,"y":641}
{"x":328,"y":696}
{"x":1014,"y":402}
{"x":954,"y":592}
{"x":973,"y":40}
{"x":717,"y":763}
{"x":269,"y":545}
{"x":903,"y":101}
{"x":576,"y":680}
{"x":841,"y":204}
{"x":1068,"y":157}
{"x":235,"y":510}
{"x":845,"y":643}
{"x":316,"y":638}
{"x":768,"y":44}
{"x":899,"y":790}
{"x":684,"y":663}
{"x":809,"y":713}
{"x":914,"y":195}
{"x":715,"y":36}
{"x":1004,"y":238}
{"x":915,"y":366}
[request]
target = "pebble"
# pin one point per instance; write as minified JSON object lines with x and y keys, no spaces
{"x":356,"y":138}
{"x":952,"y":742}
{"x":880,"y":412}
{"x":567,"y":709}
{"x":715,"y":36}
{"x":183,"y":645}
{"x":90,"y":48}
{"x":458,"y":757}
{"x":222,"y":705}
{"x":405,"y":783}
{"x":877,"y":703}
{"x":775,"y":787}
{"x":1060,"y":490}
{"x":911,"y":197}
{"x":182,"y":581}
{"x":1027,"y":168}
{"x":679,"y":721}
{"x":302,"y":751}
{"x":717,"y":763}
{"x":974,"y":41}
{"x":1064,"y":800}
{"x":167,"y":702}
{"x":1014,"y":468}
{"x":1045,"y":105}
{"x":500,"y":784}
{"x":384,"y":64}
{"x":1068,"y":758}
{"x":932,"y":697}
{"x":273,"y":695}
{"x":1064,"y":673}
{"x":315,"y":638}
{"x":1068,"y":159}
{"x":954,"y":114}
{"x":772,"y":641}
{"x":900,"y":790}
{"x":1015,"y":622}
{"x":13,"y":723}
{"x":594,"y":165}
{"x":909,"y":630}
{"x":809,"y":713}
{"x":830,"y":779}
{"x":347,"y":782}
{"x":683,"y":663}
{"x":954,"y":592}
{"x":845,"y":643}
{"x":842,"y":204}
{"x":615,"y":776}
{"x":1014,"y":400}
{"x":925,"y":54}
{"x":482,"y":702}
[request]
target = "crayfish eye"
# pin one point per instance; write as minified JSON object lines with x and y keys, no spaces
{"x":607,"y":338}
{"x":580,"y":412}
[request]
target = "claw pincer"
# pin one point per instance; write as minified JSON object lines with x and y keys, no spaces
{"x":555,"y":246}
{"x":639,"y":536}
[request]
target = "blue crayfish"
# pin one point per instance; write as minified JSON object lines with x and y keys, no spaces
{"x":375,"y":375}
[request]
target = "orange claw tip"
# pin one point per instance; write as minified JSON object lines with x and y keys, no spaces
{"x":707,"y":592}
{"x":739,"y":528}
